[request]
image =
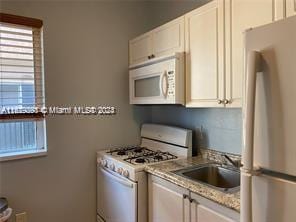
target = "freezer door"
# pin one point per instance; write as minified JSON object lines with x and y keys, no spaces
{"x":274,"y":200}
{"x":275,"y":103}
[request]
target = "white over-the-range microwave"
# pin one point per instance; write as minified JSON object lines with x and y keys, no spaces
{"x":158,"y":81}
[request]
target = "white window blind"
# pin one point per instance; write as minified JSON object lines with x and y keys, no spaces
{"x":21,"y":88}
{"x":21,"y":82}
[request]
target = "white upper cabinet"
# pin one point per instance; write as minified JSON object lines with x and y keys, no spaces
{"x":169,"y":38}
{"x":164,"y":40}
{"x":212,"y":37}
{"x":140,"y":48}
{"x":241,"y":15}
{"x":204,"y":55}
{"x":290,"y":8}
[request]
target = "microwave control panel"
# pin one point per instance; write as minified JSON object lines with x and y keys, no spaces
{"x":171,"y":83}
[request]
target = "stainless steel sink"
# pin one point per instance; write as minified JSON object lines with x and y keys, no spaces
{"x":214,"y":175}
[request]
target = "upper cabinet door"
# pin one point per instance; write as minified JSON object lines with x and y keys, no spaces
{"x":168,"y":38}
{"x":241,"y":15}
{"x":204,"y":32}
{"x":140,"y":48}
{"x":164,"y":40}
{"x":290,"y":7}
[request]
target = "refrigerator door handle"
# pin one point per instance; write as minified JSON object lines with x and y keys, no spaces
{"x":252,"y":67}
{"x":281,"y":177}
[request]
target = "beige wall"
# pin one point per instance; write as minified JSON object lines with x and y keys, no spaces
{"x":86,"y":60}
{"x":163,"y":11}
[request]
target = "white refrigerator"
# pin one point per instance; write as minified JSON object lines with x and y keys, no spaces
{"x":268,"y":175}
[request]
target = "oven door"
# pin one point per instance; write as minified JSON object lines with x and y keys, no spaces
{"x":116,"y":197}
{"x":149,"y":85}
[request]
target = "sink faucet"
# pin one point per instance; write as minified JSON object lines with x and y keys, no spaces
{"x":235,"y":163}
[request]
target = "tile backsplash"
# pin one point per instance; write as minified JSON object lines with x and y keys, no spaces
{"x":215,"y":128}
{"x":218,"y":156}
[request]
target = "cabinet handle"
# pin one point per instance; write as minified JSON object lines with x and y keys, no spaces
{"x":192,"y":200}
{"x":219,"y":101}
{"x":151,"y":56}
{"x":185,"y":196}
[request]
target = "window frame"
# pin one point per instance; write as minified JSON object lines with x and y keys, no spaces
{"x":39,"y":118}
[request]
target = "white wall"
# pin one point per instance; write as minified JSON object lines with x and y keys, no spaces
{"x":86,"y":60}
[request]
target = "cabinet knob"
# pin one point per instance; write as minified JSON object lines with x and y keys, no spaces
{"x":151,"y":56}
{"x":226,"y":101}
{"x":219,"y":101}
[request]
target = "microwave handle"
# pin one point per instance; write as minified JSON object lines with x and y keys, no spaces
{"x":163,"y":90}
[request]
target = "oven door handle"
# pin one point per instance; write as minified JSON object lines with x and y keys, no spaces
{"x":110,"y":174}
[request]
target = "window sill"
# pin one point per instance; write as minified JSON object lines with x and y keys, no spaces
{"x":22,"y":155}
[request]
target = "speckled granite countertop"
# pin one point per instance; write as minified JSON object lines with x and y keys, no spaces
{"x":165,"y":171}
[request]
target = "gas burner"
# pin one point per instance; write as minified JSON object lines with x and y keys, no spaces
{"x":140,"y":160}
{"x":158,"y":157}
{"x":138,"y":149}
{"x":140,"y":155}
{"x":121,"y":152}
{"x":130,"y":151}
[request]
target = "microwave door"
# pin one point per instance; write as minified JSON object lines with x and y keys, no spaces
{"x":149,"y":89}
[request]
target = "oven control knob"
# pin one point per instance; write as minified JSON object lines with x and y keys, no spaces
{"x":119,"y":170}
{"x":112,"y":167}
{"x":125,"y":173}
{"x":104,"y":163}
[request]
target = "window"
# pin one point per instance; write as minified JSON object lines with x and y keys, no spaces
{"x":22,"y":125}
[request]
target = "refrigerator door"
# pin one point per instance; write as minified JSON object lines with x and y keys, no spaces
{"x":273,"y":199}
{"x":274,"y":142}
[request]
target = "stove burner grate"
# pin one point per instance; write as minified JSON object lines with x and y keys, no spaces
{"x":126,"y":150}
{"x":149,"y":157}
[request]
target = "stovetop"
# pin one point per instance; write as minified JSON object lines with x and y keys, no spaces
{"x":138,"y":155}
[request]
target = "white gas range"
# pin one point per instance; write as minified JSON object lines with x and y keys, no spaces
{"x":121,"y":179}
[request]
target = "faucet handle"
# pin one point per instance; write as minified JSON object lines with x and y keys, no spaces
{"x":235,"y":163}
